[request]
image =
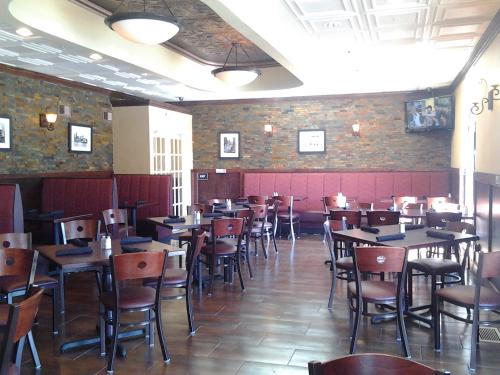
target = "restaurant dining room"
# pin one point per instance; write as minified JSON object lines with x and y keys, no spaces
{"x":250,"y":187}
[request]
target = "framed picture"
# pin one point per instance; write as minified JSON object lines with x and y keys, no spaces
{"x":5,"y":133}
{"x":79,"y":138}
{"x":229,"y":145}
{"x":311,"y":141}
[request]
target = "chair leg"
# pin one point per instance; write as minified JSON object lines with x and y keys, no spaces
{"x":410,"y":287}
{"x":212,"y":274}
{"x":473,"y":341}
{"x":189,"y":310}
{"x":200,"y":277}
{"x":239,"y":273}
{"x":263,"y":246}
{"x":102,"y":331}
{"x":151,"y":329}
{"x":61,"y":290}
{"x":19,"y":351}
{"x":55,"y":300}
{"x":357,"y":320}
{"x":161,"y":336}
{"x":436,"y":324}
{"x":274,"y":243}
{"x":114,"y":343}
{"x":34,"y":351}
{"x":402,"y":328}
{"x":333,"y":287}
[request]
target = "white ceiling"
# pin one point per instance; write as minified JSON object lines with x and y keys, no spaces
{"x":332,"y":46}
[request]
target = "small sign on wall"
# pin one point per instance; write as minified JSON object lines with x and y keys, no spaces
{"x":203,"y":176}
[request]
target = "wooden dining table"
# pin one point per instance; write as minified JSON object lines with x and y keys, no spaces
{"x":98,"y":260}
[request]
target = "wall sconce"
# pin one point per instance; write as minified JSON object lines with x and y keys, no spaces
{"x":268,"y":129}
{"x":493,"y":94}
{"x":355,"y":129}
{"x":47,"y":120}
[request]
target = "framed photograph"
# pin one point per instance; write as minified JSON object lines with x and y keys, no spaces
{"x":229,"y":145}
{"x":312,"y":141}
{"x":79,"y":138}
{"x":5,"y":133}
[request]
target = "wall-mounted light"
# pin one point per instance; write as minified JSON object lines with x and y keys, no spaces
{"x":355,"y":129}
{"x":268,"y":129}
{"x":494,"y":94}
{"x":47,"y":120}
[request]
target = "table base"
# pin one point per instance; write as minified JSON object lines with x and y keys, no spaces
{"x":83,"y":343}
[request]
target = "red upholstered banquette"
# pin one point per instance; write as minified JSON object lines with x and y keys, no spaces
{"x":78,"y":196}
{"x":11,"y":209}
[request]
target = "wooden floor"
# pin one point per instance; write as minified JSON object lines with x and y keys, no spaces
{"x":278,"y":324}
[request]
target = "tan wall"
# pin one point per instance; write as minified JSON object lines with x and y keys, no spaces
{"x":131,"y":140}
{"x":487,"y":123}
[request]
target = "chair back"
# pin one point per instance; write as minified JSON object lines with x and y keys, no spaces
{"x":259,"y":211}
{"x":19,"y":322}
{"x":213,"y":201}
{"x":330,"y":202}
{"x":17,"y":240}
{"x":227,"y":227}
{"x":202,"y":208}
{"x":80,"y":229}
{"x":248,"y":216}
{"x":286,"y":203}
{"x":257,"y":199}
{"x":488,"y":265}
{"x":19,"y":262}
{"x":197,"y":242}
{"x":365,"y":205}
{"x":371,"y":363}
{"x":329,"y":226}
{"x":114,"y":217}
{"x":461,"y":227}
{"x":404,"y":201}
{"x":440,"y":219}
{"x":352,"y":217}
{"x":377,"y":218}
{"x":132,"y":266}
{"x":380,"y":259}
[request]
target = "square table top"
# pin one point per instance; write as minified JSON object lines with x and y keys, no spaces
{"x":190,"y":222}
{"x":414,"y":239}
{"x":100,"y":257}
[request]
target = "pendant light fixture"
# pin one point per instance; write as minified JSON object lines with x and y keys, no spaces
{"x":236,"y":76}
{"x":143,"y":27}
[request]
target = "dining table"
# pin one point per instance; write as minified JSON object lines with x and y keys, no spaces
{"x":133,"y":207}
{"x":407,"y":213}
{"x":94,"y":258}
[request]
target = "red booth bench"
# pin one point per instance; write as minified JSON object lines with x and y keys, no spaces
{"x":364,"y":186}
{"x":11,"y":209}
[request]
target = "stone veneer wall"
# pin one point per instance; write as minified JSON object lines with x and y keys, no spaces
{"x":383,"y":144}
{"x":36,"y":150}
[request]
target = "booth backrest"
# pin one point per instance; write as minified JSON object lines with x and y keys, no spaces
{"x":151,"y":188}
{"x":11,"y":209}
{"x":77,"y":196}
{"x":364,"y":186}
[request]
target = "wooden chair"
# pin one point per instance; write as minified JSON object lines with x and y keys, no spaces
{"x":439,"y":219}
{"x":478,"y":297}
{"x":343,"y":263}
{"x":464,"y":227}
{"x":217,"y":249}
{"x":361,"y":292}
{"x":248,"y":216}
{"x":19,"y":318}
{"x":262,"y":227}
{"x":177,"y":278}
{"x":378,"y":218}
{"x":20,"y":265}
{"x":116,"y":222}
{"x":132,"y":299}
{"x":330,"y":202}
{"x":371,"y":363}
{"x":87,"y":229}
{"x":352,"y":217}
{"x":286,"y":215}
{"x":13,"y":286}
{"x":257,"y":199}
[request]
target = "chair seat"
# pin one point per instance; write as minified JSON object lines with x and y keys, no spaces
{"x":173,"y":276}
{"x":375,"y":291}
{"x":9,"y":284}
{"x":433,"y":266}
{"x":135,"y":297}
{"x":345,"y":263}
{"x":464,"y":296}
{"x":221,"y":248}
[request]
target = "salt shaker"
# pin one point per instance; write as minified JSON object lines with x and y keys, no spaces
{"x":198,"y":215}
{"x":402,"y":227}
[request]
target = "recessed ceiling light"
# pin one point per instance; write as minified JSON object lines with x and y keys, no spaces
{"x":95,"y":56}
{"x":24,"y":31}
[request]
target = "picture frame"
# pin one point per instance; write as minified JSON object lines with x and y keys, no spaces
{"x":229,"y":145}
{"x":5,"y":133}
{"x":311,"y":141}
{"x":80,"y":138}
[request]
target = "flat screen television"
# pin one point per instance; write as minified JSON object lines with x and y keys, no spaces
{"x":429,"y":114}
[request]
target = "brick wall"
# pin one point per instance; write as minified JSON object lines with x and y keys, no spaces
{"x":383,"y":144}
{"x":35,"y":149}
